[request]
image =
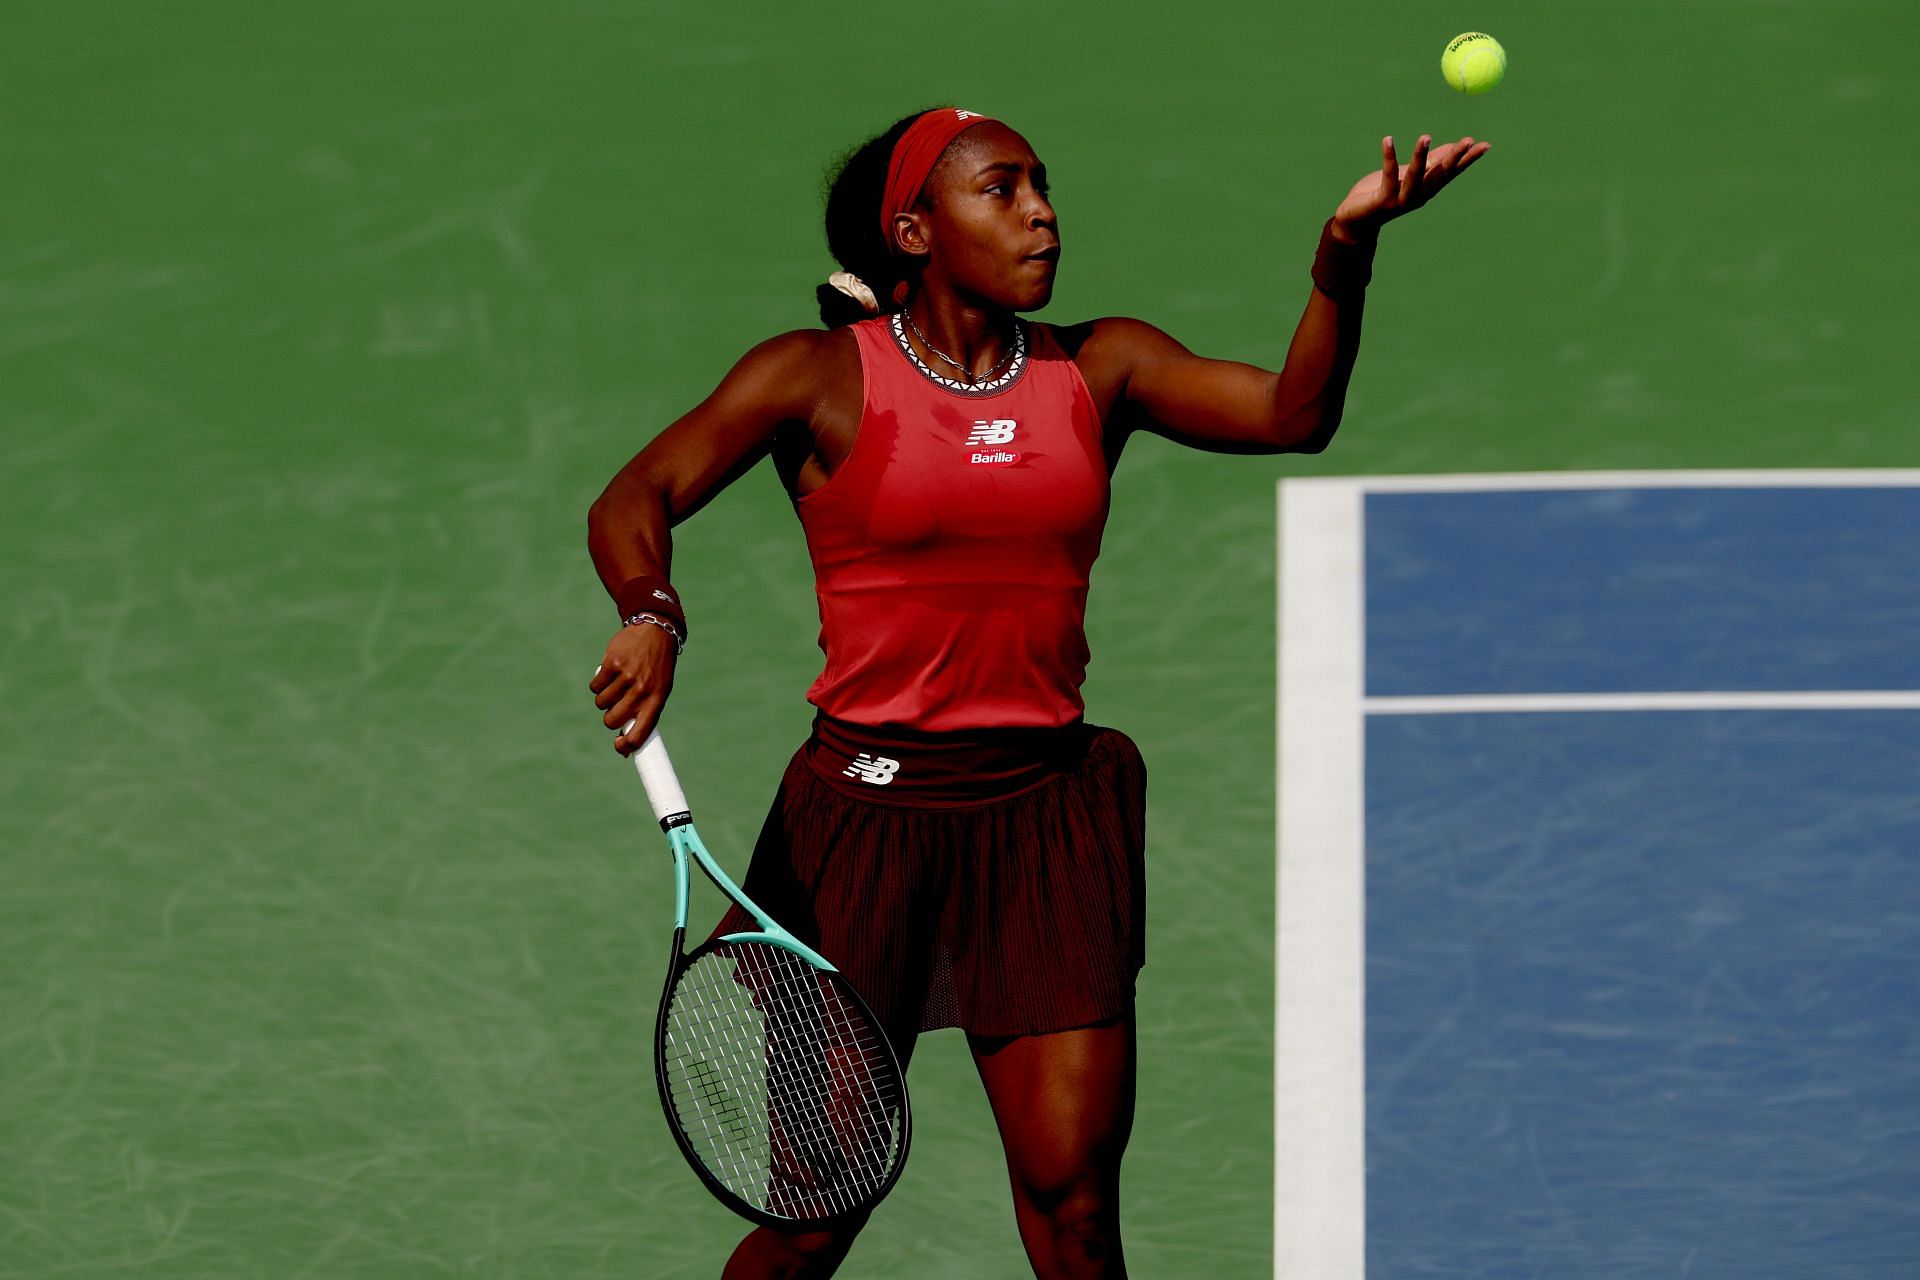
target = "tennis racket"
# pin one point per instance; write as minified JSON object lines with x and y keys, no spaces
{"x":778,"y":1083}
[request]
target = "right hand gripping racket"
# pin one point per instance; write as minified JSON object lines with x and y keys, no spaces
{"x":778,"y":1083}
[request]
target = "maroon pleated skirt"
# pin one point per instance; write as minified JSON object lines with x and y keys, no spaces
{"x":1017,"y":915}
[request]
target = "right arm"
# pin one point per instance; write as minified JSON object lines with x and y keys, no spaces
{"x":775,"y":385}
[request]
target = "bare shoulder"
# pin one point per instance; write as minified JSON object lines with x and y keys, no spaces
{"x":798,"y":370}
{"x":808,"y":345}
{"x":1109,"y":349}
{"x":1118,"y":339}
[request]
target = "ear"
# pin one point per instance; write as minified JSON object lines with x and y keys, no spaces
{"x":913,"y":233}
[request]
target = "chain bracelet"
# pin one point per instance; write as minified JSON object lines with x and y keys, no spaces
{"x":679,"y":642}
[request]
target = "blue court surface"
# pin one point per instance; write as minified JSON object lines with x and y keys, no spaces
{"x":1635,"y":842}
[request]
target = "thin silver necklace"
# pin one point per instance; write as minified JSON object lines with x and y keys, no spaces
{"x":966,"y":374}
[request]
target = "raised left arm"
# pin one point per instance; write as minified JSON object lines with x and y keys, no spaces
{"x":1224,"y":406}
{"x":1228,"y":407}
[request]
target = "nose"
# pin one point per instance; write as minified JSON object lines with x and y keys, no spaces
{"x":1040,"y":213}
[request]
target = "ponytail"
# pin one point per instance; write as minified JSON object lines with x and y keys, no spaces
{"x":855,"y":190}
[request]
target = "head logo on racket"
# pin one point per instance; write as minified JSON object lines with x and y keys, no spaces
{"x":870,"y":768}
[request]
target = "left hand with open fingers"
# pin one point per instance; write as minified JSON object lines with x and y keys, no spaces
{"x":1396,"y":189}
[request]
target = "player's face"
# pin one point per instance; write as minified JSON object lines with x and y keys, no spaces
{"x":993,"y":232}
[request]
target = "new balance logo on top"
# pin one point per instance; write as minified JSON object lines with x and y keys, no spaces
{"x":995,"y":432}
{"x":875,"y":769}
{"x":999,"y":431}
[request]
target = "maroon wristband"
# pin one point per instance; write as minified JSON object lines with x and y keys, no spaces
{"x":1341,"y":270}
{"x":651,"y":595}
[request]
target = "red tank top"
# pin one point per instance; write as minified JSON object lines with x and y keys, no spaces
{"x":951,"y":549}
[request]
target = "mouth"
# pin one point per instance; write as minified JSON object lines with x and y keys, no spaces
{"x":1049,"y":255}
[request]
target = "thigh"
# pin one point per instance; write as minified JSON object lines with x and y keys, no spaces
{"x":1063,"y":1101}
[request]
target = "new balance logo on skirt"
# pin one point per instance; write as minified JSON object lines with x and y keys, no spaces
{"x":996,"y":431}
{"x":875,"y":769}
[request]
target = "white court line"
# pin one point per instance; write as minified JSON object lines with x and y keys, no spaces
{"x":1320,"y":954}
{"x":1542,"y":480}
{"x":1484,"y":703}
{"x":1319,"y":1061}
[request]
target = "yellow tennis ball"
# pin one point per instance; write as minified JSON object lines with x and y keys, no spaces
{"x":1474,"y":62}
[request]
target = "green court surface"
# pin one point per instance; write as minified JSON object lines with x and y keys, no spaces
{"x":332,"y":926}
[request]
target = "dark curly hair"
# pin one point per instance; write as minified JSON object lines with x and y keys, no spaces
{"x":855,"y":186}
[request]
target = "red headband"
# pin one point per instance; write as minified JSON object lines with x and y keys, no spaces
{"x":915,"y":155}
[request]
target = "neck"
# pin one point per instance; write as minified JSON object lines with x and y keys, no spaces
{"x":978,"y":338}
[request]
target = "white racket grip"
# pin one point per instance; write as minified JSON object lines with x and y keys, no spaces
{"x":656,"y":774}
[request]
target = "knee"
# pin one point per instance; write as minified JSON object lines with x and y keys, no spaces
{"x":1080,"y":1208}
{"x":790,"y":1255}
{"x":1073,"y":1183}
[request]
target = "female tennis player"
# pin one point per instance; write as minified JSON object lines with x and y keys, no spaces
{"x":954,"y":834}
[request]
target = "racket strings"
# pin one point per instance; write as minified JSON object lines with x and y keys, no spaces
{"x":808,"y":1079}
{"x":785,"y":1091}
